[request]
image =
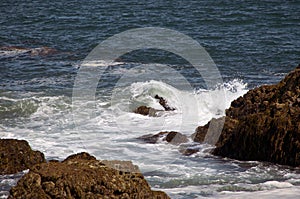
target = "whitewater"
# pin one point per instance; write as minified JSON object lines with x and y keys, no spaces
{"x":47,"y":122}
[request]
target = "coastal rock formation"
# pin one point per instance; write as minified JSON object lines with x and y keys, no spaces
{"x":263,"y":125}
{"x":171,"y":137}
{"x":82,"y":176}
{"x":17,"y":155}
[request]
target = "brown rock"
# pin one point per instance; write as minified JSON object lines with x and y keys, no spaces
{"x":82,"y":176}
{"x":175,"y":138}
{"x":17,"y":155}
{"x":171,"y":137}
{"x":144,"y":110}
{"x":263,"y":124}
{"x":216,"y":127}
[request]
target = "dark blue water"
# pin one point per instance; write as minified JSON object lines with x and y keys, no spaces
{"x":251,"y":40}
{"x":254,"y":42}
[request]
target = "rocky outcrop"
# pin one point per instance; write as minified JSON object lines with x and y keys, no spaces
{"x":263,"y":125}
{"x":82,"y":176}
{"x":17,"y":155}
{"x":172,"y":137}
{"x":145,"y":110}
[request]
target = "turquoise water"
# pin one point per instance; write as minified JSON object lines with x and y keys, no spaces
{"x":251,"y":43}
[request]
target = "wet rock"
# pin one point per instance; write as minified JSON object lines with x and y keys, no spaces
{"x":17,"y":155}
{"x":18,"y":50}
{"x":172,"y":137}
{"x":215,"y":127}
{"x":164,"y":103}
{"x":188,"y":150}
{"x":263,"y":125}
{"x":145,"y":110}
{"x":175,"y":138}
{"x":82,"y":176}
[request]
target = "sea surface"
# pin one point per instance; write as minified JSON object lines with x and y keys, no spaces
{"x":251,"y":42}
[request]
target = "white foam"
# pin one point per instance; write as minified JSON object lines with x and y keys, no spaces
{"x":286,"y":193}
{"x":111,"y":135}
{"x":100,"y":63}
{"x":276,"y":184}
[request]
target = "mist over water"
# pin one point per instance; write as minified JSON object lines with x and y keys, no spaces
{"x":252,"y":43}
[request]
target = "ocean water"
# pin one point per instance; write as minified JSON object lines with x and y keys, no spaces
{"x":251,"y":43}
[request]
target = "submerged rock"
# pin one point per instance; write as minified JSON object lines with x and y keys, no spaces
{"x":168,"y":136}
{"x":17,"y":155}
{"x":82,"y":176}
{"x":263,"y":125}
{"x":18,"y":50}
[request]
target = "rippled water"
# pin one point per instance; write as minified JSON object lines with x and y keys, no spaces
{"x":252,"y":43}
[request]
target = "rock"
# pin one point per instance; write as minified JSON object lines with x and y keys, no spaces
{"x":216,"y":127}
{"x":172,"y":137}
{"x":145,"y":110}
{"x":17,"y":155}
{"x":175,"y":138}
{"x":164,"y":103}
{"x":188,"y":150}
{"x":79,"y":156}
{"x":82,"y":176}
{"x":18,"y":50}
{"x":263,"y":125}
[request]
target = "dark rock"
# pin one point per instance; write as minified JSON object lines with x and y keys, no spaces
{"x":188,"y":150}
{"x":145,"y":110}
{"x":175,"y":138}
{"x":17,"y":155}
{"x":200,"y":133}
{"x":82,"y":176}
{"x":169,"y":136}
{"x":150,"y":138}
{"x":79,"y":156}
{"x":264,"y":124}
{"x":164,"y":103}
{"x":216,"y":127}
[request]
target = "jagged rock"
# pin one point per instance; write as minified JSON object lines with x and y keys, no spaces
{"x":17,"y":155}
{"x":169,"y":136}
{"x":164,"y":103}
{"x":145,"y":110}
{"x":82,"y":176}
{"x":264,"y":124}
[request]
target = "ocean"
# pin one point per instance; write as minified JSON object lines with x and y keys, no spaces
{"x":43,"y":46}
